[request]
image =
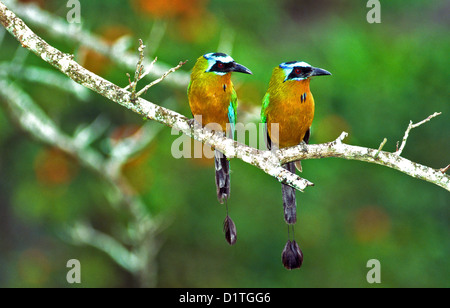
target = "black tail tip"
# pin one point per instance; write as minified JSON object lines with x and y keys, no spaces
{"x":292,"y":256}
{"x":230,"y":230}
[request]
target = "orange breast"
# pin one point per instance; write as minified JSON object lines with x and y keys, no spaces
{"x":289,"y":115}
{"x":210,"y":100}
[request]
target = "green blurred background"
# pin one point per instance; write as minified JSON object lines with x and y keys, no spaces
{"x":384,"y":75}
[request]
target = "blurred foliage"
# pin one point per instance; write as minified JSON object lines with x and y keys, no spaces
{"x":383,"y":76}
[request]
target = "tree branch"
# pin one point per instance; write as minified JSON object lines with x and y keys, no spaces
{"x":140,"y":260}
{"x":339,"y":149}
{"x":83,"y":233}
{"x":264,"y":160}
{"x":139,"y":69}
{"x":269,"y":162}
{"x":59,"y":28}
{"x":155,"y":82}
{"x":411,"y":126}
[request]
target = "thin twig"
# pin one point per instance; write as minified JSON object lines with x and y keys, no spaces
{"x":145,"y":73}
{"x":427,"y":119}
{"x":445,"y":169}
{"x":411,"y":126}
{"x":380,"y":147}
{"x":83,"y":233}
{"x":173,"y":69}
{"x":138,"y":72}
{"x":341,"y":150}
{"x":129,"y":82}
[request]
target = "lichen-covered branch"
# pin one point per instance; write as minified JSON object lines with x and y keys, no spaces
{"x":269,"y":162}
{"x":59,"y":28}
{"x":155,"y":82}
{"x":339,"y":149}
{"x":411,"y":126}
{"x":264,"y":160}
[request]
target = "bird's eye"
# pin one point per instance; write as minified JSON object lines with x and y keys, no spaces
{"x":297,"y":71}
{"x":220,"y":65}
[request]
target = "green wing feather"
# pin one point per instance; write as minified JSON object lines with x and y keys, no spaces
{"x":265,"y":104}
{"x":189,"y":87}
{"x":233,"y":103}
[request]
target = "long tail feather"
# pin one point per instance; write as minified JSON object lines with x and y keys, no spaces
{"x":289,"y":202}
{"x":222,"y":176}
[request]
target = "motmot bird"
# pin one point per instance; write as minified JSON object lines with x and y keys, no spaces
{"x":289,"y":105}
{"x":212,"y":96}
{"x":287,"y":112}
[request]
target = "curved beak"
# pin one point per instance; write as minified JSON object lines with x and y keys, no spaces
{"x":318,"y":72}
{"x":240,"y":69}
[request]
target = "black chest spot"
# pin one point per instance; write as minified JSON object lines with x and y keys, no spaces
{"x":303,"y":98}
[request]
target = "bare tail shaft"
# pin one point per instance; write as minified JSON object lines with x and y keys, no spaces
{"x":222,"y":166}
{"x":289,"y":202}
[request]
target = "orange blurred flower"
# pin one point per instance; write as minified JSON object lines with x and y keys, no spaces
{"x":93,"y":61}
{"x":111,"y":34}
{"x":124,"y":131}
{"x":194,"y":23}
{"x":371,"y":223}
{"x":170,"y":8}
{"x":138,"y":172}
{"x":199,"y":27}
{"x":54,"y":167}
{"x":136,"y":169}
{"x":34,"y":268}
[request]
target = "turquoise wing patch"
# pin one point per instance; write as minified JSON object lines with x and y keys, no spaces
{"x":232,"y":118}
{"x":232,"y":112}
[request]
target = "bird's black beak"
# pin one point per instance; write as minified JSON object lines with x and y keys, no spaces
{"x":318,"y":72}
{"x":240,"y":69}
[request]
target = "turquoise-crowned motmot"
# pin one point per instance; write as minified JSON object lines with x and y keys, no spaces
{"x":213,"y":98}
{"x":288,"y":112}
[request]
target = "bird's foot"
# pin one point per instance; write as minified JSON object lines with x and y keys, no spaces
{"x":304,"y":146}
